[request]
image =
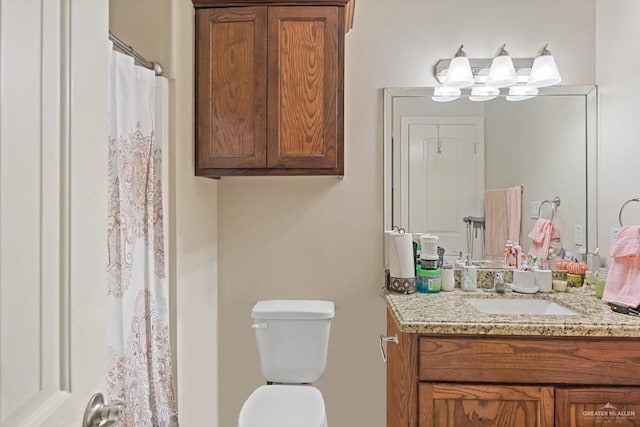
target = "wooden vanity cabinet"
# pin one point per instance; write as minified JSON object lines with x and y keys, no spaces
{"x":598,"y":406}
{"x":459,"y":381}
{"x":484,"y":405}
{"x":269,"y":87}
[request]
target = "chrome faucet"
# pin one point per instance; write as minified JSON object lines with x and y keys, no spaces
{"x":499,"y":286}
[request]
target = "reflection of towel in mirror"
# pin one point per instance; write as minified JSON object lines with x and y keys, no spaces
{"x":623,"y":280}
{"x":502,"y":215}
{"x":542,"y":234}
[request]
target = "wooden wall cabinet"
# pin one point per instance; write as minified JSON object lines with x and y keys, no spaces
{"x":269,"y":87}
{"x":485,"y":381}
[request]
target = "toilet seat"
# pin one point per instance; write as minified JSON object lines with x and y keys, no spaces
{"x":283,"y":406}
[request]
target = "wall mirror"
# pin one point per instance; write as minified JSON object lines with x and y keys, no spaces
{"x":441,"y":157}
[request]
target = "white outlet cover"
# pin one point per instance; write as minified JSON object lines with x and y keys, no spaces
{"x":614,"y":234}
{"x":535,"y":209}
{"x":579,"y":235}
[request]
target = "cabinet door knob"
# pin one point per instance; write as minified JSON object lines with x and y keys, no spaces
{"x":384,"y":338}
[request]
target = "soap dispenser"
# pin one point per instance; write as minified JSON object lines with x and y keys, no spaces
{"x":469,"y":280}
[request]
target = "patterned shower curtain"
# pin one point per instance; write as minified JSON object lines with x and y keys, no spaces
{"x":140,"y":373}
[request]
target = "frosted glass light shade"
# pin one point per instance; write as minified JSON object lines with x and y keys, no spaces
{"x":445,"y":93}
{"x":544,"y":72}
{"x":459,"y":74}
{"x":483,"y":93}
{"x":502,"y":72}
{"x":482,"y":75}
{"x":520,"y":93}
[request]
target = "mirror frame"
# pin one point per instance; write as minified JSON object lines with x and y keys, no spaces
{"x":590,"y":92}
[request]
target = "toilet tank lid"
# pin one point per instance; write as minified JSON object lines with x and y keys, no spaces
{"x":293,"y":309}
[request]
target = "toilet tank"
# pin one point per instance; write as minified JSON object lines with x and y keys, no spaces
{"x":292,"y":337}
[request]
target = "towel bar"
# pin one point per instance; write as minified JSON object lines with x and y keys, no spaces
{"x":554,"y":205}
{"x":637,"y":199}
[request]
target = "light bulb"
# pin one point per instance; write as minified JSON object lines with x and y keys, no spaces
{"x":544,"y":71}
{"x":502,"y":72}
{"x":459,"y":74}
{"x":445,"y":93}
{"x":521,"y":93}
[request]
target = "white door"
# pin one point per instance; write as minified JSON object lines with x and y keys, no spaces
{"x":53,"y":101}
{"x":442,"y":162}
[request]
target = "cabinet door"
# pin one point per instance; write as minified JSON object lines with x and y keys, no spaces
{"x":453,"y":405}
{"x":305,"y":75}
{"x":590,"y":407}
{"x":231,"y":87}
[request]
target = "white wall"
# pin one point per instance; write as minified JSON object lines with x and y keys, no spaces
{"x":617,"y":37}
{"x":322,"y":238}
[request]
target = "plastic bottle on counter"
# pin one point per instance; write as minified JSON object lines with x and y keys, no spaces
{"x":508,"y":254}
{"x":518,"y":256}
{"x":433,"y":280}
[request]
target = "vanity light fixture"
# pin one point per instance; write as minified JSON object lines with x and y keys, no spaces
{"x":445,"y":93}
{"x":544,"y":71}
{"x":502,"y":72}
{"x":459,"y":74}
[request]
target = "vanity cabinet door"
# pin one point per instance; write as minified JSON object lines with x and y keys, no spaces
{"x":462,"y":405}
{"x":590,"y":407}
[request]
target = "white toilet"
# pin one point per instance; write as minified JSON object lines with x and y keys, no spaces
{"x":293,"y":336}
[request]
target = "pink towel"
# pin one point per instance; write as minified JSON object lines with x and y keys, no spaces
{"x":502,"y":215}
{"x":623,"y":280}
{"x":544,"y":231}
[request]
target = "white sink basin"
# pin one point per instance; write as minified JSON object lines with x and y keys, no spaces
{"x":520,"y":306}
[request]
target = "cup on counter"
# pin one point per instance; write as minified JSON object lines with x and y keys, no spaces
{"x":448,"y":280}
{"x":543,"y":280}
{"x":574,"y":280}
{"x":523,"y":278}
{"x":560,"y":285}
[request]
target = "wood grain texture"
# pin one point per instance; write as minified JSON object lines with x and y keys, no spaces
{"x":305,"y":66}
{"x":220,"y":172}
{"x":350,"y":11}
{"x":597,"y":407}
{"x":402,"y":378}
{"x":485,"y":406}
{"x":530,"y":360}
{"x":231,"y":87}
{"x":227,"y":3}
{"x":349,"y":5}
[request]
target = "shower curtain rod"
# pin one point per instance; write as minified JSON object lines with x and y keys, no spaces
{"x":129,"y":50}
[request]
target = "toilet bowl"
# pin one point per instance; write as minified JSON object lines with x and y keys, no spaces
{"x":292,"y":338}
{"x":283,"y":406}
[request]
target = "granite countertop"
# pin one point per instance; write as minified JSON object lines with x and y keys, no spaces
{"x":448,"y":313}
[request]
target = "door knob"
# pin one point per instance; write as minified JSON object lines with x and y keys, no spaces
{"x":99,"y":414}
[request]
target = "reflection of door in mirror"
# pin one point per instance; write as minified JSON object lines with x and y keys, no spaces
{"x":546,"y":144}
{"x":442,"y":176}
